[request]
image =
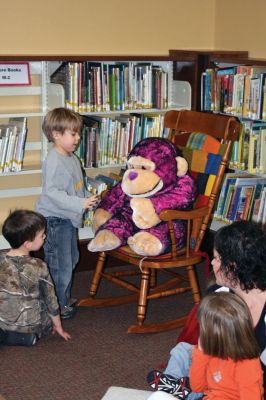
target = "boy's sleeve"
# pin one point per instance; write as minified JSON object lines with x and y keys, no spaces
{"x":249,"y":379}
{"x":198,"y":375}
{"x":47,"y":291}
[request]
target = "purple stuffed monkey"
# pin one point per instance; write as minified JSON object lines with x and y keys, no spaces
{"x":156,"y":179}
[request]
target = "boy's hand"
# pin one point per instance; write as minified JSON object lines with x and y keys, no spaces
{"x":91,"y":201}
{"x":61,"y":332}
{"x":57,"y":328}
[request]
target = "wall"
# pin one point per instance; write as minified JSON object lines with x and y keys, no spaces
{"x":118,"y":27}
{"x":131,"y":27}
{"x":240,"y":25}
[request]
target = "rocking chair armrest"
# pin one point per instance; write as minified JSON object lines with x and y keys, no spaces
{"x":169,"y":215}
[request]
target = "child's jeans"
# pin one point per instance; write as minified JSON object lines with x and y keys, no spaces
{"x":61,"y":255}
{"x":179,"y":364}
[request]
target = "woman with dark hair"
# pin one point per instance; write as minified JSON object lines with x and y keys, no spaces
{"x":239,"y":265}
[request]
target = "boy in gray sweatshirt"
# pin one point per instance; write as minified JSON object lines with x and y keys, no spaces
{"x":63,"y":201}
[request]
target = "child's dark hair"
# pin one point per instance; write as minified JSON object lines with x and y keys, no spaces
{"x":21,"y":226}
{"x":242,"y":248}
{"x":60,"y":119}
{"x":226,"y":329}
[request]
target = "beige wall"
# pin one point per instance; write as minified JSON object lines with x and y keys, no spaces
{"x":240,"y":25}
{"x":121,"y":27}
{"x":104,"y":27}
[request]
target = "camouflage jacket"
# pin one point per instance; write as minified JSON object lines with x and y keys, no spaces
{"x":27,"y":295}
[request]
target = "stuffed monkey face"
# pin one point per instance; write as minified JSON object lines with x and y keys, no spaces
{"x":153,"y":164}
{"x":140,"y":180}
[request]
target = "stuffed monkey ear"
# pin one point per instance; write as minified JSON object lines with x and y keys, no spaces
{"x":182,"y":166}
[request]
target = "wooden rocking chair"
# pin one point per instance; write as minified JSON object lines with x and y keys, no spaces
{"x":205,"y":140}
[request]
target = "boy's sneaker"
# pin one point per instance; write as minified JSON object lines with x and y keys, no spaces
{"x":178,"y":387}
{"x":72,"y":302}
{"x":67,"y":312}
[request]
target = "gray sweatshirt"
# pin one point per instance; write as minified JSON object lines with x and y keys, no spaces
{"x":63,"y":188}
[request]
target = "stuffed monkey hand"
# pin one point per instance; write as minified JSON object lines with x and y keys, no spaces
{"x":144,"y":215}
{"x":100,"y":217}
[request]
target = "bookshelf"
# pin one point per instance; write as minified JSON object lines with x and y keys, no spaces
{"x":22,"y":188}
{"x":237,"y":87}
{"x":22,"y":185}
{"x":189,"y":65}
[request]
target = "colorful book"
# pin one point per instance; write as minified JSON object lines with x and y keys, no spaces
{"x":244,"y":201}
{"x":262,"y":205}
{"x":229,"y":179}
{"x":228,"y":201}
{"x":254,"y":208}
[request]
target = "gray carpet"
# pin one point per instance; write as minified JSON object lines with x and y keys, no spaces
{"x":101,"y":354}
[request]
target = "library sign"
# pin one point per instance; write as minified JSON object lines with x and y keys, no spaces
{"x":14,"y":74}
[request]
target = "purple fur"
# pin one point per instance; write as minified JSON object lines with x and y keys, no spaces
{"x":163,"y":153}
{"x":176,"y":194}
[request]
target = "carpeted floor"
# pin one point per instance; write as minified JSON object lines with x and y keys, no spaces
{"x":101,"y":354}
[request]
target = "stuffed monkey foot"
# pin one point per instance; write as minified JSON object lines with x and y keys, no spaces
{"x":104,"y":240}
{"x":145,"y":244}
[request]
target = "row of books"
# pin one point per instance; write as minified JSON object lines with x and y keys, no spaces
{"x":12,"y":144}
{"x":249,"y":151}
{"x":99,"y":86}
{"x":242,"y":197}
{"x":107,"y":141}
{"x":239,"y":90}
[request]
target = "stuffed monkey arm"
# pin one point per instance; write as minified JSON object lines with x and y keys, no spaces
{"x":113,"y":201}
{"x":144,"y":215}
{"x":99,"y":218}
{"x":146,"y":211}
{"x":179,"y":198}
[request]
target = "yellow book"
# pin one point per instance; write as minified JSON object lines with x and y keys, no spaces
{"x":245,"y":112}
{"x":251,"y":154}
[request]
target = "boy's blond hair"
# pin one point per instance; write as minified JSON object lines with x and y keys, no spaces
{"x":59,"y":120}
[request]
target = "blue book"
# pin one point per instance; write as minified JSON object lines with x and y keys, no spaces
{"x":232,"y":213}
{"x":229,"y":179}
{"x":227,"y":71}
{"x":207,"y":91}
{"x":241,"y":182}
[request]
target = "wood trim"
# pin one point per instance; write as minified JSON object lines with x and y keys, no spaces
{"x":242,"y":61}
{"x":83,"y":57}
{"x":193,"y":54}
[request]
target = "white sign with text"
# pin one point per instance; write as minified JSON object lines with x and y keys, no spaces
{"x":17,"y":74}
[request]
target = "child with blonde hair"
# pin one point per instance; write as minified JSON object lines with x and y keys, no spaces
{"x":63,"y":201}
{"x":225,"y":364}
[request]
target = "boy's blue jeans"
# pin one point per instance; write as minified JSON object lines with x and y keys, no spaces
{"x":179,"y":364}
{"x":61,"y":255}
